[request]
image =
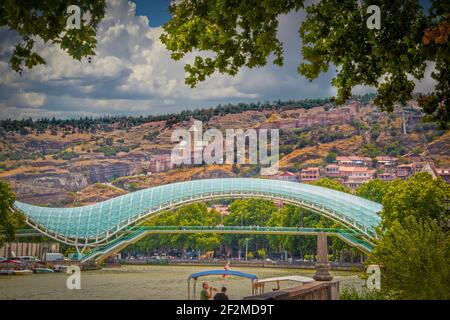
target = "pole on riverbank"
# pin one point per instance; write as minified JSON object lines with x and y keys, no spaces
{"x":322,"y":264}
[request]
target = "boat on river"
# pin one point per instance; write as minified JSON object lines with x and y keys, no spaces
{"x":22,"y":272}
{"x":43,"y":270}
{"x":6,"y":272}
{"x":260,"y":284}
{"x":222,"y":273}
{"x":60,"y":268}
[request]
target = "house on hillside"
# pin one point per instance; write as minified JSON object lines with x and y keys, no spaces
{"x":332,"y":170}
{"x":353,"y":177}
{"x":405,"y":171}
{"x":354,"y":161}
{"x":285,"y":176}
{"x":310,"y":174}
{"x":444,"y":174}
{"x":386,"y":176}
{"x":387,"y":163}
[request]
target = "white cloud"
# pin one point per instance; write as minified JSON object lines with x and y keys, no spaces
{"x":133,"y":73}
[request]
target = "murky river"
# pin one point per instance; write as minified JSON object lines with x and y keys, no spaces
{"x":142,"y":282}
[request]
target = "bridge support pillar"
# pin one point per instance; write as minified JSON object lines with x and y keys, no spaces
{"x":322,"y":264}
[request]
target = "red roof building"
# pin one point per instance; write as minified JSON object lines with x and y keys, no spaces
{"x":444,"y":174}
{"x":332,"y":170}
{"x":310,"y":174}
{"x":354,"y":161}
{"x":386,"y":176}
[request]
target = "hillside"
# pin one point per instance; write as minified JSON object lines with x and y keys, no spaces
{"x":68,"y":166}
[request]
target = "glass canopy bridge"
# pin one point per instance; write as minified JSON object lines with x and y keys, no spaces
{"x":104,"y":222}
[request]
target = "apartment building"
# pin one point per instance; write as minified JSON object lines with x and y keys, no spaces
{"x":387,"y":163}
{"x":310,"y":174}
{"x":354,"y":161}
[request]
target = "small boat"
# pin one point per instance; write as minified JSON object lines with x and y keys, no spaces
{"x":43,"y":270}
{"x":6,"y":272}
{"x":22,"y":272}
{"x":253,"y":278}
{"x":60,"y":268}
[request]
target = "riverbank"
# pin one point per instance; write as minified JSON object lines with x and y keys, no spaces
{"x":144,"y":282}
{"x":356,"y":267}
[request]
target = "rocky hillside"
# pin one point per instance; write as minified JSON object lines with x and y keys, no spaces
{"x":69,"y":166}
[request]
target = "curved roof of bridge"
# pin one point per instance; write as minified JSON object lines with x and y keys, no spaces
{"x":93,"y":221}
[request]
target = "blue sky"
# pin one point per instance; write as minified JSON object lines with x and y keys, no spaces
{"x":133,"y":74}
{"x":156,"y":11}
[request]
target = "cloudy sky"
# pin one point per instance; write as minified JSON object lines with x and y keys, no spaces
{"x":132,"y":73}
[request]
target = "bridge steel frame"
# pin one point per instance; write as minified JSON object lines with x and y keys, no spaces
{"x":104,"y":237}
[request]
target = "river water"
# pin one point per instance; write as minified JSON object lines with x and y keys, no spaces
{"x":143,"y":282}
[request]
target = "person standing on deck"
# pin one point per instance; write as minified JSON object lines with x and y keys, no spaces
{"x":205,"y":294}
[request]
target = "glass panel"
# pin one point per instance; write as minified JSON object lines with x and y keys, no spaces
{"x":92,"y":220}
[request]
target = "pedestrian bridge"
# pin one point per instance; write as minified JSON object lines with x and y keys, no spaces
{"x":101,"y":223}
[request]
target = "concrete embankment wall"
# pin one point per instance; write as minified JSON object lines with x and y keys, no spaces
{"x":36,"y":249}
{"x":254,"y":264}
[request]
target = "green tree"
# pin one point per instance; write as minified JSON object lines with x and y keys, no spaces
{"x":415,"y":257}
{"x":10,"y":219}
{"x":334,"y":34}
{"x":331,"y":184}
{"x":413,"y":248}
{"x":421,"y":196}
{"x":109,"y":141}
{"x":191,"y":215}
{"x":373,"y":190}
{"x":250,"y":212}
{"x":331,"y":157}
{"x":261,"y":253}
{"x":47,"y":20}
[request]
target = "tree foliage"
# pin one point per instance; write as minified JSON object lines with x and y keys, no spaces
{"x":9,"y":218}
{"x":414,"y":246}
{"x":421,"y":196}
{"x":334,"y":34}
{"x":47,"y":20}
{"x":331,"y":184}
{"x":373,"y":190}
{"x":250,"y":212}
{"x":415,"y":257}
{"x":190,"y":215}
{"x":103,"y":123}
